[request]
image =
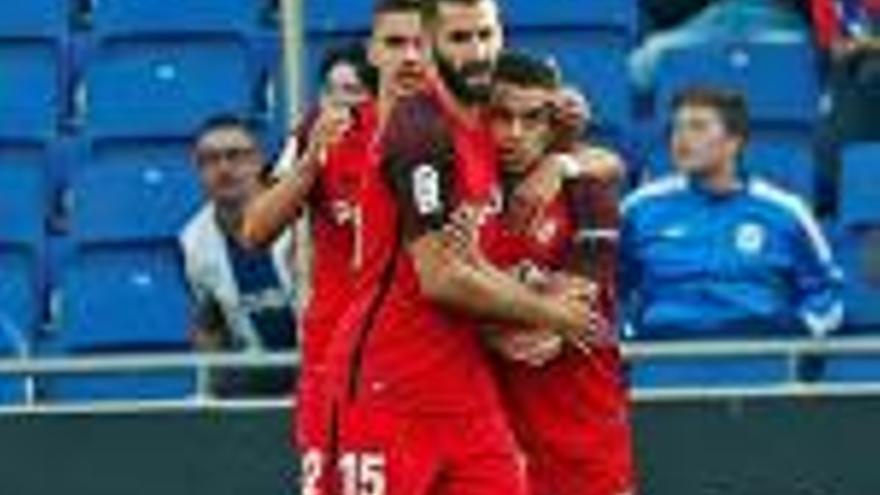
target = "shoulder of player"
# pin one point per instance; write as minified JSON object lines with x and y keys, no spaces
{"x":658,"y":190}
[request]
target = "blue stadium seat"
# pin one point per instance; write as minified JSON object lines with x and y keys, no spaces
{"x":22,"y":218}
{"x":124,"y":296}
{"x":166,"y":88}
{"x":30,"y":19}
{"x":709,"y":372}
{"x":613,"y":15}
{"x":858,"y":252}
{"x":597,"y":65}
{"x":338,"y":16}
{"x":30,"y":95}
{"x":788,"y":163}
{"x":12,"y":339}
{"x":778,"y":79}
{"x":166,"y":385}
{"x":859,"y":194}
{"x":144,"y":18}
{"x":852,"y":369}
{"x":153,"y":190}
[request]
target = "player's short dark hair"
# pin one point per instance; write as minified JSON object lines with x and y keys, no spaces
{"x":431,"y":8}
{"x":730,"y":105}
{"x":397,"y":6}
{"x":354,"y":54}
{"x":225,"y":121}
{"x":524,"y":69}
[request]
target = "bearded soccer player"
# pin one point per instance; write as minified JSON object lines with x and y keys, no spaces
{"x":568,"y":405}
{"x":467,"y":37}
{"x":406,"y":365}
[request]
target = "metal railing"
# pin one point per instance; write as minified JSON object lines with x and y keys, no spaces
{"x":31,"y":368}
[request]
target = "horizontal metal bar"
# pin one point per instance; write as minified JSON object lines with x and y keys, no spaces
{"x":153,"y":363}
{"x":752,"y":348}
{"x":633,"y":351}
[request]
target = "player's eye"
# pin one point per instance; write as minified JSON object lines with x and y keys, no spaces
{"x":460,"y":37}
{"x":395,"y":42}
{"x":485,"y":34}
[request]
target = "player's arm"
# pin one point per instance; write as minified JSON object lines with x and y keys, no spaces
{"x":449,"y":277}
{"x":271,"y":212}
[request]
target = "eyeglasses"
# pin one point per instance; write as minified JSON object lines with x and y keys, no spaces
{"x":210,"y":157}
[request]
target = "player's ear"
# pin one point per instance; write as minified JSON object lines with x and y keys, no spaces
{"x":373,"y":52}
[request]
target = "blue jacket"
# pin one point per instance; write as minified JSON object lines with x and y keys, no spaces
{"x":752,"y":261}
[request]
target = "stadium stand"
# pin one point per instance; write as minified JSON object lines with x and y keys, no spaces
{"x":858,"y":248}
{"x":150,"y":71}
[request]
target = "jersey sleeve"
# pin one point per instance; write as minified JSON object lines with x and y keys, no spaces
{"x":419,"y":164}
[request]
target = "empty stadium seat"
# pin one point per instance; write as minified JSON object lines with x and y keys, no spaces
{"x":596,"y":65}
{"x":616,"y":15}
{"x":139,"y":18}
{"x":859,"y":193}
{"x":166,"y":88}
{"x":29,"y":19}
{"x":709,"y":372}
{"x":788,"y":163}
{"x":338,"y":16}
{"x":123,"y":386}
{"x":124,"y":296}
{"x":30,"y":96}
{"x":778,"y":79}
{"x":858,"y":252}
{"x":852,"y":369}
{"x":22,"y":217}
{"x":12,"y":340}
{"x":153,"y":190}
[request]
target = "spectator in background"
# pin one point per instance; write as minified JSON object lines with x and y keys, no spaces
{"x":711,"y":252}
{"x":721,"y":21}
{"x":849,"y":33}
{"x":242,"y":298}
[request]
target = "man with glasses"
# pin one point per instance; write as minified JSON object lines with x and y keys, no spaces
{"x":242,"y":297}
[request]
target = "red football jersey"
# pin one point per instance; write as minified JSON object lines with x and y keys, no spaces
{"x":574,"y":407}
{"x":334,"y":221}
{"x":394,"y":343}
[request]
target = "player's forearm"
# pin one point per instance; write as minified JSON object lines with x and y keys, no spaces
{"x":271,"y":212}
{"x":483,"y":291}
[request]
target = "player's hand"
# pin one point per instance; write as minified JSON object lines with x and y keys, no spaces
{"x":584,"y":324}
{"x":331,"y":125}
{"x":532,"y":347}
{"x":572,"y":116}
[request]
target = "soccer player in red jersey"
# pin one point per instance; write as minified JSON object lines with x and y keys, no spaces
{"x":317,"y":173}
{"x":568,"y":405}
{"x":415,"y":406}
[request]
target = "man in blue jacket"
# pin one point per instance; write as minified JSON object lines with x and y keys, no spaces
{"x":712,"y":252}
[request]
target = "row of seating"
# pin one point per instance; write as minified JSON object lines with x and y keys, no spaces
{"x":145,"y":73}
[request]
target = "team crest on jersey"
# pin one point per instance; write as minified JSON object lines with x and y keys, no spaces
{"x":546,"y":231}
{"x":750,"y":238}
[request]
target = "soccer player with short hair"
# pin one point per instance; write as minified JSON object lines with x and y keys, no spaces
{"x":568,"y":405}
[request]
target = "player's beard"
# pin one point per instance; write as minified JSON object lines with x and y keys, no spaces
{"x":457,"y":80}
